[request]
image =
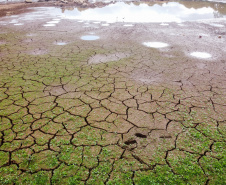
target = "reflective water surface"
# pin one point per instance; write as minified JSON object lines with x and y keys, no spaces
{"x":137,"y":11}
{"x":61,"y":43}
{"x":149,"y":12}
{"x":155,"y":44}
{"x":90,"y":37}
{"x":49,"y":25}
{"x":201,"y":55}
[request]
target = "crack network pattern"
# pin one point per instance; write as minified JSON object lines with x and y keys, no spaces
{"x":108,"y":111}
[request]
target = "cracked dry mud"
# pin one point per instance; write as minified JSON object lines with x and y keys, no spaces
{"x":111,"y":111}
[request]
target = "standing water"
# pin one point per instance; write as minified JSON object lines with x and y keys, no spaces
{"x":149,"y":12}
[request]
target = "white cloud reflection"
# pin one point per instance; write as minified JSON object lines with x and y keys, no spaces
{"x":122,"y":12}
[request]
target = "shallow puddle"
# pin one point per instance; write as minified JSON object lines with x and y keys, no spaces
{"x":164,"y":24}
{"x":201,"y":55}
{"x":49,"y":25}
{"x":149,"y":12}
{"x":90,"y":37}
{"x":155,"y":44}
{"x":217,"y":25}
{"x":13,"y":21}
{"x":18,"y":24}
{"x":128,"y":25}
{"x":61,"y":43}
{"x":53,"y":22}
{"x":137,"y":12}
{"x":56,"y":19}
{"x":105,"y":24}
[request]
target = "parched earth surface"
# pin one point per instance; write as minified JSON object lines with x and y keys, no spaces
{"x":111,"y":111}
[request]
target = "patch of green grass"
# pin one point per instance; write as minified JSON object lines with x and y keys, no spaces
{"x":39,"y":178}
{"x":100,"y":174}
{"x":160,"y":175}
{"x":215,"y":169}
{"x":8,"y":174}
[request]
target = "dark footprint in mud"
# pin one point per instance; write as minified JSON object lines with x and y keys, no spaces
{"x":165,"y":137}
{"x":140,"y":135}
{"x":130,"y":142}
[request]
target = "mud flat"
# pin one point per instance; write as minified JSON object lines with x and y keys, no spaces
{"x":82,"y":103}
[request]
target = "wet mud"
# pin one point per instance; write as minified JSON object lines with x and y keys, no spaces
{"x":19,"y":8}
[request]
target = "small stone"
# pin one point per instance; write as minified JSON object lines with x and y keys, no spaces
{"x":219,"y":36}
{"x":28,"y":1}
{"x":8,"y":13}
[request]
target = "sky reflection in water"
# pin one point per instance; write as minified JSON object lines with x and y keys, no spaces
{"x":122,"y":12}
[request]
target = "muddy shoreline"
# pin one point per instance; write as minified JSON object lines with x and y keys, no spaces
{"x":18,"y":7}
{"x":15,"y":8}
